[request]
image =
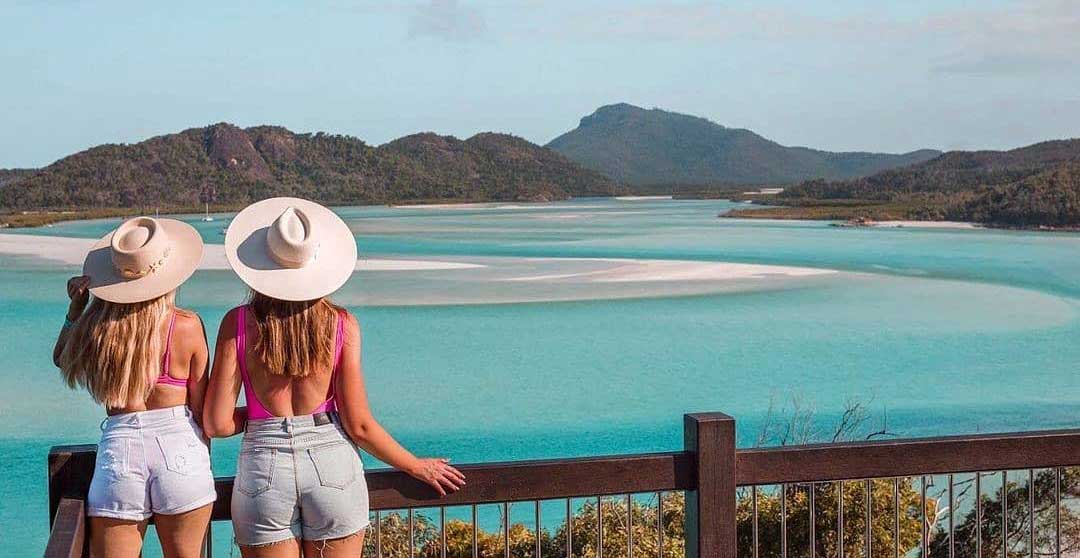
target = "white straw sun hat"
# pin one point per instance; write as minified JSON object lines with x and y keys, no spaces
{"x":290,"y":249}
{"x":143,"y":259}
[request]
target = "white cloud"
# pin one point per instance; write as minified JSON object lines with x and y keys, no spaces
{"x":448,"y":20}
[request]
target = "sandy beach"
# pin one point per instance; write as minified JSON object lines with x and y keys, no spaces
{"x":927,"y":224}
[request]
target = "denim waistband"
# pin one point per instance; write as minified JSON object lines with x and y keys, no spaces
{"x":147,"y":418}
{"x":292,"y":432}
{"x":288,"y":424}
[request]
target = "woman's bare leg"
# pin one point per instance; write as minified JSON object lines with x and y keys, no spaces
{"x":284,"y":549}
{"x":345,"y":547}
{"x":182,"y":534}
{"x":116,"y":538}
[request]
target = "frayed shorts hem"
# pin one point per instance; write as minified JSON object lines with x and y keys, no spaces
{"x":112,"y":514}
{"x":333,"y":535}
{"x":273,"y":540}
{"x":348,"y":533}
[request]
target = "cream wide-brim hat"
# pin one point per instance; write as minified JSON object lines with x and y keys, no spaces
{"x":290,"y":249}
{"x":142,"y":259}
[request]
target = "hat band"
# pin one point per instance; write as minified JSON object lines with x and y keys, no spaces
{"x":128,"y":273}
{"x":296,"y":263}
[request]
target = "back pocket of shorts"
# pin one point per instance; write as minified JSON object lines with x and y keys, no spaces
{"x":183,"y":453}
{"x":255,"y":471}
{"x":336,"y":464}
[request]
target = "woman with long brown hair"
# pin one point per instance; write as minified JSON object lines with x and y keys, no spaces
{"x":299,"y":486}
{"x":144,"y":359}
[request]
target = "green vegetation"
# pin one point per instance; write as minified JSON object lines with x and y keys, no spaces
{"x":1034,"y":186}
{"x":644,"y":148}
{"x":244,"y":165}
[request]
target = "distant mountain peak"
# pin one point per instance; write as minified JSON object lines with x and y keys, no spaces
{"x":655,"y":146}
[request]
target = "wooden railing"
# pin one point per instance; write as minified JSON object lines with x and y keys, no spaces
{"x":710,"y":472}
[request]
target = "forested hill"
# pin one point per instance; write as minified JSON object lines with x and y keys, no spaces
{"x":653,"y":147}
{"x":1037,"y":185}
{"x":951,"y":172}
{"x":243,"y":165}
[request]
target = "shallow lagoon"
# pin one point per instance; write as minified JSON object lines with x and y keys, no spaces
{"x":943,"y":330}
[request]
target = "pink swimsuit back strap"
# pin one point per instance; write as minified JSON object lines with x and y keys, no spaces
{"x":256,"y":410}
{"x":166,"y":378}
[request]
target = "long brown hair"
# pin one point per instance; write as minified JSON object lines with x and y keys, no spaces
{"x":115,"y":350}
{"x":295,"y":338}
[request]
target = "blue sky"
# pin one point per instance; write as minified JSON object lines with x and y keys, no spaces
{"x":836,"y":74}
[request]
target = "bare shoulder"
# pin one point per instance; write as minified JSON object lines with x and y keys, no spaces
{"x":189,"y":327}
{"x":227,"y":329}
{"x":187,"y":318}
{"x":352,"y":327}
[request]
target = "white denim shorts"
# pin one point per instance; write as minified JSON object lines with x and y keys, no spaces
{"x":296,"y":479}
{"x":150,"y":462}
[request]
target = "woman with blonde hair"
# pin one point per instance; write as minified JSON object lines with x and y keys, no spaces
{"x":299,"y":486}
{"x":145,"y":361}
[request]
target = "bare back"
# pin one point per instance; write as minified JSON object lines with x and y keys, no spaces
{"x":187,"y":357}
{"x":279,"y":394}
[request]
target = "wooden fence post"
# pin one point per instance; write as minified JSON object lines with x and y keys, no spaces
{"x":70,"y":470}
{"x":710,"y":510}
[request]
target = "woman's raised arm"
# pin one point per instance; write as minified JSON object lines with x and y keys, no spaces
{"x":78,"y":290}
{"x":221,"y":417}
{"x":362,"y":427}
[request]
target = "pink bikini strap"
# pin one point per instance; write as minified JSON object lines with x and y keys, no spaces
{"x":168,"y":346}
{"x":241,"y":341}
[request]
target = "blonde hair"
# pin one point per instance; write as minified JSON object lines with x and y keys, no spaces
{"x":295,"y":338}
{"x":115,"y":350}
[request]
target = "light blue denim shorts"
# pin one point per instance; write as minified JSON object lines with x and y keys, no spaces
{"x":150,"y":462}
{"x":295,"y":479}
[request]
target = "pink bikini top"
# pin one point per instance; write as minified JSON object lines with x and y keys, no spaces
{"x":166,"y":378}
{"x":256,"y":410}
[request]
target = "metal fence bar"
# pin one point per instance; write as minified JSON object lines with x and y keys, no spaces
{"x":660,"y":524}
{"x":475,"y":535}
{"x":896,"y":516}
{"x":840,"y":518}
{"x":506,"y":529}
{"x":629,"y":526}
{"x":599,"y":527}
{"x":1057,"y":512}
{"x":538,"y":529}
{"x":442,"y":532}
{"x":569,"y":529}
{"x":978,"y":515}
{"x":923,"y":529}
{"x":412,"y":537}
{"x":378,"y":534}
{"x":813,"y":522}
{"x":1031,"y":512}
{"x":754,"y":518}
{"x":868,"y":543}
{"x":1005,"y":514}
{"x":952,"y":531}
{"x":783,"y":520}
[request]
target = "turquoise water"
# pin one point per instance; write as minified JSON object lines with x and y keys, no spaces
{"x":938,"y":331}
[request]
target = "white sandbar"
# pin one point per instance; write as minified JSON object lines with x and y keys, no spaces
{"x":72,"y":251}
{"x":632,"y":270}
